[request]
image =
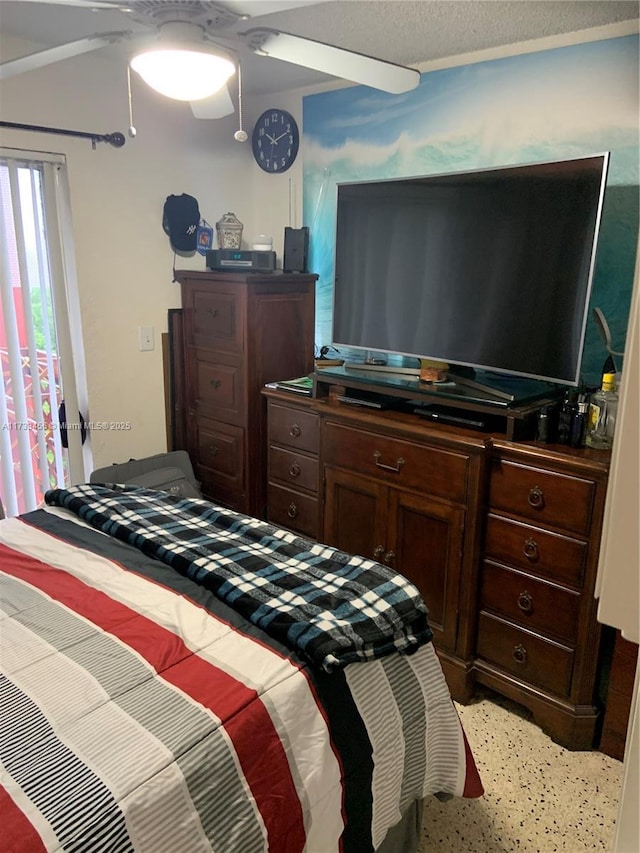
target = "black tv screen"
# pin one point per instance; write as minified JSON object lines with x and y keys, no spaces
{"x":489,"y":269}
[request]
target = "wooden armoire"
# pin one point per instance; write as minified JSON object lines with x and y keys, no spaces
{"x":239,"y":331}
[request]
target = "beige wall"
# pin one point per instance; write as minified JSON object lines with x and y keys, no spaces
{"x":124,"y":261}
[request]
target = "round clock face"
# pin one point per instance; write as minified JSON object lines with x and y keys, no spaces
{"x":275,"y":141}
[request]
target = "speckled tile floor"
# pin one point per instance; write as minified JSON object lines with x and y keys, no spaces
{"x":538,"y":797}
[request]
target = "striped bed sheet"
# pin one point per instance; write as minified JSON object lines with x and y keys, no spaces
{"x":141,"y":713}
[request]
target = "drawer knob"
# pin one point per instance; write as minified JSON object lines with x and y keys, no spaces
{"x":213,"y":449}
{"x":213,"y":312}
{"x":530,"y":549}
{"x":378,"y":551}
{"x":536,"y":497}
{"x":389,"y":557}
{"x":295,"y":431}
{"x":294,"y":470}
{"x":292,"y":511}
{"x":216,"y":383}
{"x":525,"y":602}
{"x":519,"y":654}
{"x":399,"y":462}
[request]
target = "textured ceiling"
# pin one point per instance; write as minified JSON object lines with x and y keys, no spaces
{"x":408,"y":32}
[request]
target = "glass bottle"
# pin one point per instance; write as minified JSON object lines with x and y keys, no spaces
{"x":603,"y":409}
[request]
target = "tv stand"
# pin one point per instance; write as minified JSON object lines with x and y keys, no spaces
{"x":515,"y":419}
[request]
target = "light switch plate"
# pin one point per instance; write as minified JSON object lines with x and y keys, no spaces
{"x":146,"y":338}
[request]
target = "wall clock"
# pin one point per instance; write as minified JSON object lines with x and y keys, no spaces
{"x":275,"y":141}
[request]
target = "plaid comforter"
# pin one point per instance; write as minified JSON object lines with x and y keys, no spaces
{"x":331,"y":607}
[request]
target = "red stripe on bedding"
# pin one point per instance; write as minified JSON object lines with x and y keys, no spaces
{"x":18,"y":834}
{"x":472,"y":782}
{"x":238,"y":706}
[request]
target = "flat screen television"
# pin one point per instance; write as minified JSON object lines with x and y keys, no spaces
{"x":490,"y":269}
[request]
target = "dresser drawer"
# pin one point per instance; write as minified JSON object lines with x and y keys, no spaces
{"x":557,"y":557}
{"x":218,"y":389}
{"x":440,"y":473}
{"x":215,"y":320}
{"x":530,"y":658}
{"x":532,"y":603}
{"x":543,"y":496}
{"x":293,"y":469}
{"x":293,"y":511}
{"x":293,"y":428}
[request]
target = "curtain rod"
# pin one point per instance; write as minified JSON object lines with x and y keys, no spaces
{"x":116,"y":139}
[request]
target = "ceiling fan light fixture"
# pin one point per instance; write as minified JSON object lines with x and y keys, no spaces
{"x":185,"y":74}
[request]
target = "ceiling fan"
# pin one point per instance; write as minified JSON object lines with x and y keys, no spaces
{"x":204,"y":36}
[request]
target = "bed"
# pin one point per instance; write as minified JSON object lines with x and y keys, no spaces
{"x":178,"y":677}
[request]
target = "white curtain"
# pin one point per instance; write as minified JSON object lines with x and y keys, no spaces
{"x":40,"y":335}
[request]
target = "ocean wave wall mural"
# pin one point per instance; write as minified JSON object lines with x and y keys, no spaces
{"x":548,"y":105}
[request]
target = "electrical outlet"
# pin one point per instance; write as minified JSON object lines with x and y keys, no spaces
{"x":145,"y":338}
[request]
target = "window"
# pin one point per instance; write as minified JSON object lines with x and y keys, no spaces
{"x":40,"y":338}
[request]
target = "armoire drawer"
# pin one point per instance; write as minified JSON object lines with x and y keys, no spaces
{"x":293,"y":469}
{"x":440,"y":473}
{"x":552,"y":555}
{"x":525,"y":655}
{"x":546,"y":497}
{"x":215,"y":320}
{"x":534,"y":604}
{"x":218,"y":390}
{"x":220,"y":449}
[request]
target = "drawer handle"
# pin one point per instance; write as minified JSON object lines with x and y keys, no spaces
{"x":292,"y":512}
{"x":216,"y":383}
{"x":525,"y":602}
{"x":389,"y":557}
{"x":213,"y":312}
{"x":378,"y":551}
{"x":213,"y":449}
{"x":295,"y":470}
{"x":295,"y":431}
{"x":519,"y":654}
{"x":530,"y":549}
{"x":395,"y":468}
{"x":536,"y":497}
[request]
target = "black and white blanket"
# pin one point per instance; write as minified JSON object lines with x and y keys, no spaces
{"x":331,"y":607}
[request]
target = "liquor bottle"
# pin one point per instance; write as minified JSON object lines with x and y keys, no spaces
{"x":601,"y":418}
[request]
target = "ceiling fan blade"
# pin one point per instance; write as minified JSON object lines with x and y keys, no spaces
{"x":257,"y":8}
{"x":215,"y":106}
{"x":55,"y":54}
{"x":356,"y":67}
{"x":88,"y":4}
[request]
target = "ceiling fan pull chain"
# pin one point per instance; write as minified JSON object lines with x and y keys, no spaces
{"x":240,"y":135}
{"x":132,"y":129}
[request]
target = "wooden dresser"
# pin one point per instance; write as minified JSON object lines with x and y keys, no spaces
{"x":538,"y":639}
{"x":501,"y":538}
{"x":240,"y":332}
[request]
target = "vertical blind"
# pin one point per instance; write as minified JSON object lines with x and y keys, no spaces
{"x":36,"y":342}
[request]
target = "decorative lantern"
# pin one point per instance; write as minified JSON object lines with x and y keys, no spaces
{"x":229,"y":230}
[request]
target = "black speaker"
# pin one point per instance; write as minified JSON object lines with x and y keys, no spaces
{"x":296,"y":249}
